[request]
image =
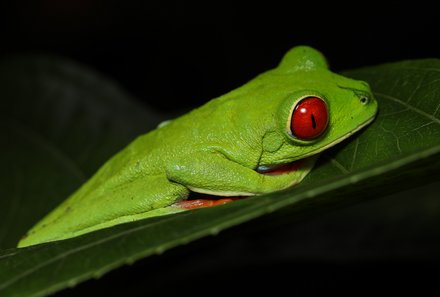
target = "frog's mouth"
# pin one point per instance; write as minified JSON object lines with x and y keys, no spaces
{"x":200,"y":198}
{"x":278,"y":169}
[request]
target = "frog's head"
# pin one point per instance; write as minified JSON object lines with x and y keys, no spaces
{"x":319,"y":108}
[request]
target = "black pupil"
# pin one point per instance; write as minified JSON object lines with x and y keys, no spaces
{"x":363,"y":100}
{"x":313,"y":121}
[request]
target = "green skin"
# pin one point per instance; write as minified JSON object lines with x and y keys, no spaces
{"x":216,"y":149}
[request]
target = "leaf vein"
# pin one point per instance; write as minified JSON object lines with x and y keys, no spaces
{"x":415,"y":90}
{"x":353,"y":160}
{"x":415,"y":109}
{"x":421,"y":68}
{"x":338,"y":165}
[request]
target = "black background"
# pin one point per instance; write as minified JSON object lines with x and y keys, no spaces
{"x":174,"y":56}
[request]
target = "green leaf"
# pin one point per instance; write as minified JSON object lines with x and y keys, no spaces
{"x":61,"y":121}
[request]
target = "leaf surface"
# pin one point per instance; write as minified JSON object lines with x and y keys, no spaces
{"x":62,"y":121}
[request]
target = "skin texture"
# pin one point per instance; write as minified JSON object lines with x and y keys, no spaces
{"x":216,"y":149}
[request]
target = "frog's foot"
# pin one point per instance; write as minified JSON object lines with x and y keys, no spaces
{"x":207,"y":202}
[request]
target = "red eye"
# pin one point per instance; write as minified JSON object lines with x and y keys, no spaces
{"x":309,"y":119}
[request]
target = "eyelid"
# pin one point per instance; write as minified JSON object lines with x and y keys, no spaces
{"x":361,"y":94}
{"x":357,"y":92}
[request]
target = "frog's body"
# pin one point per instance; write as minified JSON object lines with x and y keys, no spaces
{"x":216,"y":149}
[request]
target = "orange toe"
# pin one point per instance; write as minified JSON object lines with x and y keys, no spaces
{"x":198,"y":203}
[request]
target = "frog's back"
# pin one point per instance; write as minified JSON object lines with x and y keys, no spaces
{"x":134,"y":181}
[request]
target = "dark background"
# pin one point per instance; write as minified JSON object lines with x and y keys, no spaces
{"x":177,"y":56}
{"x":174,"y":56}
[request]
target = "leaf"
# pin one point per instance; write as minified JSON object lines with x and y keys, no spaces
{"x":59,"y":122}
{"x":43,"y":165}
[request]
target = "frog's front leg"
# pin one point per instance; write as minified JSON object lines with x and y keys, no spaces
{"x":212,"y":173}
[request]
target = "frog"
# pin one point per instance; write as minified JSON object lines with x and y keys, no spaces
{"x":261,"y":137}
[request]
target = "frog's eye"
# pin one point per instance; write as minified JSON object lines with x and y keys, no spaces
{"x":309,"y":118}
{"x":364,"y":99}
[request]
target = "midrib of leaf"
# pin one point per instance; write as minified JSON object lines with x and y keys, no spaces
{"x":243,"y":214}
{"x":78,"y":249}
{"x":12,"y":253}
